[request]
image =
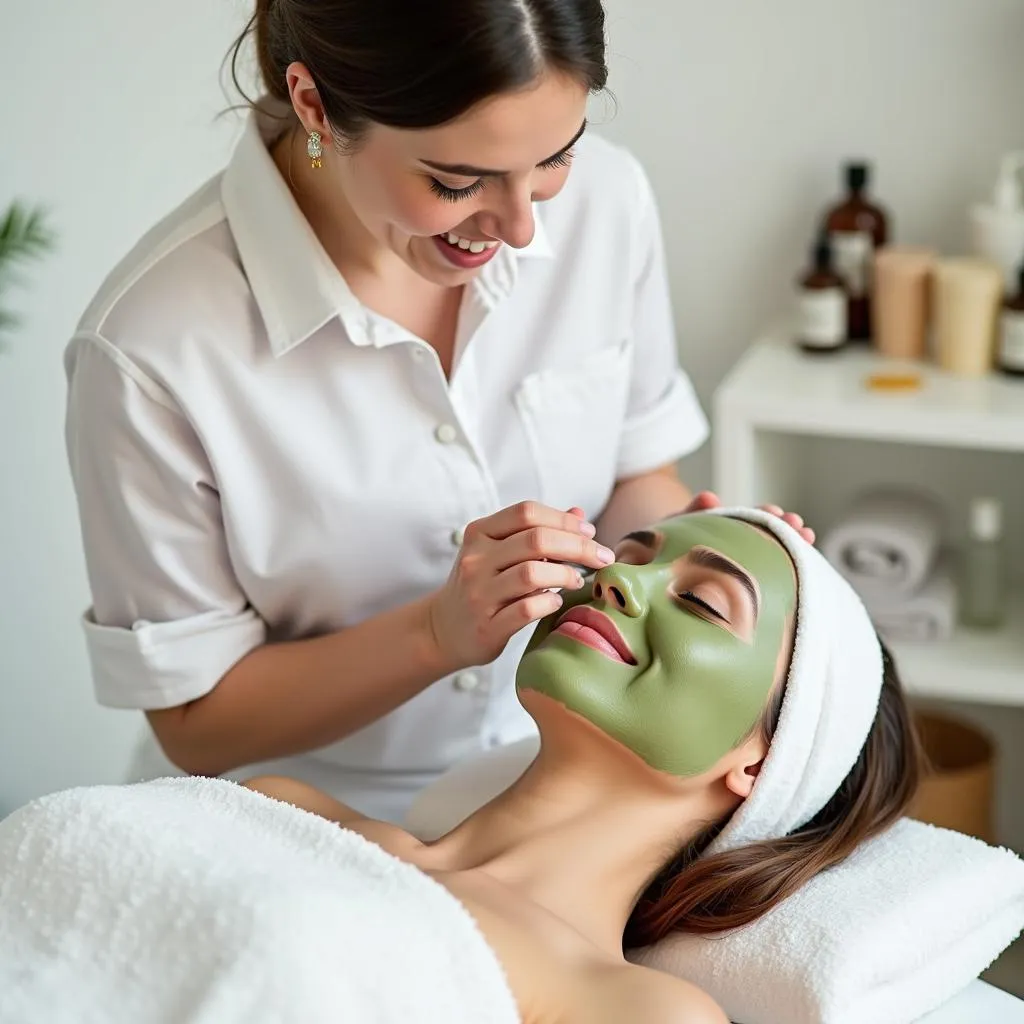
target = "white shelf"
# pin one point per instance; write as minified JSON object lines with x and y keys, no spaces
{"x":777,"y":387}
{"x":777,"y":394}
{"x":974,"y":666}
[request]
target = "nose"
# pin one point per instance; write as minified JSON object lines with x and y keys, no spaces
{"x":616,"y":587}
{"x":513,"y":219}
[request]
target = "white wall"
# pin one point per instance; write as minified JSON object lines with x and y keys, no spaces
{"x":741,"y":111}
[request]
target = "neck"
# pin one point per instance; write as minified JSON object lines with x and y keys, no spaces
{"x":586,"y":828}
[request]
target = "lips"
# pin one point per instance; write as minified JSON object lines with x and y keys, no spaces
{"x":596,"y":630}
{"x":462,"y":258}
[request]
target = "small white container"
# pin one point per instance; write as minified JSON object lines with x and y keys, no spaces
{"x":997,"y":228}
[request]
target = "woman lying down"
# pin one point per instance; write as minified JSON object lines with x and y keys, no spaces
{"x":718,"y":723}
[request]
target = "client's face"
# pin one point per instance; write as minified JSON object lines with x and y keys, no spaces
{"x":673,"y":649}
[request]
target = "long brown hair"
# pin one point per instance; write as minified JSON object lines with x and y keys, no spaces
{"x":734,"y":888}
{"x":412,"y":64}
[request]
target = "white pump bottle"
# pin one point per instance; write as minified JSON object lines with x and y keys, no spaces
{"x":997,"y":228}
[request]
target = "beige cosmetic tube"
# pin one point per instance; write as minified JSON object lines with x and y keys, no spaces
{"x":966,"y":299}
{"x":901,"y":300}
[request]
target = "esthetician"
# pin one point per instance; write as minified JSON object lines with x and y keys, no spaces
{"x":339,"y":425}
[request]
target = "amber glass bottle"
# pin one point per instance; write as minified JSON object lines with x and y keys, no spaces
{"x":822,"y":305}
{"x":857,"y":227}
{"x":1011,"y":335}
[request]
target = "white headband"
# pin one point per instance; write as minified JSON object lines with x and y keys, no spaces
{"x":831,"y":697}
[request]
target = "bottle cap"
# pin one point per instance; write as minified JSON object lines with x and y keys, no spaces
{"x":986,"y":518}
{"x":1008,"y":194}
{"x":857,"y":175}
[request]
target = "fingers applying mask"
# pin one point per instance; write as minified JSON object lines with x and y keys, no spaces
{"x":506,"y":576}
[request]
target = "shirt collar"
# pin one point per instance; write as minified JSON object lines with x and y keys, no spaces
{"x":295,"y":284}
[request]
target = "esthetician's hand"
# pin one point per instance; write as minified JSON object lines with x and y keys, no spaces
{"x":708,"y":499}
{"x":504,"y":576}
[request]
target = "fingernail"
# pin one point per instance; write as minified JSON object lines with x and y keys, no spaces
{"x":587,"y":529}
{"x":579,"y":581}
{"x":605,"y":555}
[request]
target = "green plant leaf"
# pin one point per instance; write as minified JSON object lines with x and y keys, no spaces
{"x":24,"y":236}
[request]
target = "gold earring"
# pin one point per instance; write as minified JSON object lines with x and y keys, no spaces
{"x":315,"y":149}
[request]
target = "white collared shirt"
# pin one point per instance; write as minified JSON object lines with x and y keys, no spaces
{"x":258,"y":456}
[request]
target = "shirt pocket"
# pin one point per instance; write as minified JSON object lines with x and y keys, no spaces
{"x":573,"y":418}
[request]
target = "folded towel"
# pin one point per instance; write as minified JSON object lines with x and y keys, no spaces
{"x":930,"y":613}
{"x":887,"y":543}
{"x":887,"y":936}
{"x":198,"y":900}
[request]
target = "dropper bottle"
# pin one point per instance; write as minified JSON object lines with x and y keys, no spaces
{"x":822,"y":303}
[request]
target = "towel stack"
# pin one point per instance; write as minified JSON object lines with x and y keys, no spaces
{"x":889,"y":547}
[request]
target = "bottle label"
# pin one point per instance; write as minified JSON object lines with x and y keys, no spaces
{"x":1011,"y":345}
{"x":851,"y":256}
{"x":823,"y":318}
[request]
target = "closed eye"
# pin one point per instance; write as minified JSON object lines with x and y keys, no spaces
{"x":453,"y":195}
{"x":562,"y":159}
{"x":690,"y":596}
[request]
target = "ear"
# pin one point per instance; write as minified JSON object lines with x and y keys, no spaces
{"x":306,"y":100}
{"x":740,"y":778}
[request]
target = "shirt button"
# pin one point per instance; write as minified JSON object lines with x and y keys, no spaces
{"x":465,"y":682}
{"x":446,"y":433}
{"x":418,"y":353}
{"x":493,"y":740}
{"x":458,"y":536}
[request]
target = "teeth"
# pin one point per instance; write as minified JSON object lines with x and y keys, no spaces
{"x":467,"y":245}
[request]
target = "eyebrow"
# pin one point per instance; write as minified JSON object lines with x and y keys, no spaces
{"x":648,"y":538}
{"x":468,"y":171}
{"x":719,"y":563}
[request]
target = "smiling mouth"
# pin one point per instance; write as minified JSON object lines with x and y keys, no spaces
{"x":596,"y":630}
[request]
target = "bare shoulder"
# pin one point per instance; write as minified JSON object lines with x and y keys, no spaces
{"x":302,"y":795}
{"x":307,"y":797}
{"x":647,"y":996}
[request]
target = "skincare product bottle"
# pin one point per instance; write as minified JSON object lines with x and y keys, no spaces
{"x":857,"y":227}
{"x":967,"y":296}
{"x":1011,"y":329}
{"x":997,"y":228}
{"x":983,"y":599}
{"x":901,"y":301}
{"x":822,"y":303}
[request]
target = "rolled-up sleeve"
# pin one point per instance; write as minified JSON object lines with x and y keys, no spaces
{"x":664,"y":420}
{"x":168,"y":617}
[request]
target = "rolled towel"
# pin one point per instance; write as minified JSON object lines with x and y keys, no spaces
{"x":887,"y":543}
{"x":928,"y":614}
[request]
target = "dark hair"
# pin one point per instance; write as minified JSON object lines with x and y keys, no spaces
{"x":419,"y":64}
{"x":734,"y":888}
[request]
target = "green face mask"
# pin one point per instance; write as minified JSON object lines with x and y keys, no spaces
{"x":673,"y":649}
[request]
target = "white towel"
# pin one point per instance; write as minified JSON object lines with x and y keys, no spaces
{"x":887,"y":543}
{"x":195,"y":900}
{"x":930,"y":613}
{"x":835,"y":677}
{"x":906,"y":922}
